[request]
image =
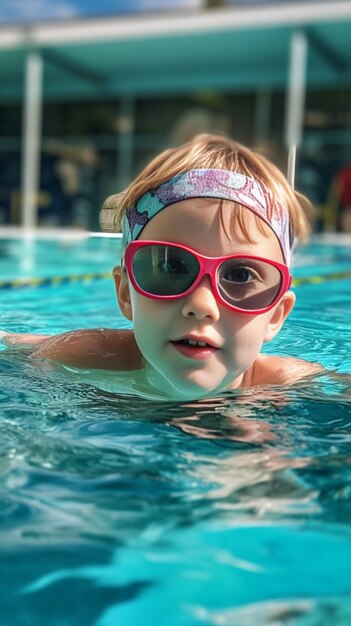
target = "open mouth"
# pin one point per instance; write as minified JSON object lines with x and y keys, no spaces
{"x":193,"y":342}
{"x":194,"y":348}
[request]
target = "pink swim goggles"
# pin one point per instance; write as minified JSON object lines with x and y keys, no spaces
{"x":169,"y":271}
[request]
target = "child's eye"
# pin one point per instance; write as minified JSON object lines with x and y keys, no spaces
{"x":240,"y":274}
{"x":173,"y":264}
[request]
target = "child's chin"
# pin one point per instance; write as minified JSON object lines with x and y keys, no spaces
{"x":193,"y":388}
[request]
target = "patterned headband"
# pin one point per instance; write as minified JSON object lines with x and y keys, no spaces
{"x":211,"y":183}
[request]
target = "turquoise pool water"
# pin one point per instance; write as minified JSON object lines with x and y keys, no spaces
{"x":118,"y":511}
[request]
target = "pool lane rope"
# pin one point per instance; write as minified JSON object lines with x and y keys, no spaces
{"x":52,"y":281}
{"x":57,"y":281}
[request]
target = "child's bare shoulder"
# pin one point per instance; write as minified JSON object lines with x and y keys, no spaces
{"x":277,"y":370}
{"x":97,"y":348}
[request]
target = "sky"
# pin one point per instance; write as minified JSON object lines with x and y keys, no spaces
{"x":12,"y":11}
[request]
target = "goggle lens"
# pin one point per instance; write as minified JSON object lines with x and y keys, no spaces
{"x":164,"y":270}
{"x":248,"y":284}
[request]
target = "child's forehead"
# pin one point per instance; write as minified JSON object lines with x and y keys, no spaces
{"x":210,"y":224}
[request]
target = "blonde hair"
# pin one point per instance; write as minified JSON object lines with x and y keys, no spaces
{"x":217,"y":152}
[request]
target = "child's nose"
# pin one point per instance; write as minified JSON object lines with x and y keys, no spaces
{"x":201,"y":302}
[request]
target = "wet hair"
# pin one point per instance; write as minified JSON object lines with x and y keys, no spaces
{"x":217,"y":152}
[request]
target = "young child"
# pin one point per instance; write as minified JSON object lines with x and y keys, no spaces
{"x":208,"y":232}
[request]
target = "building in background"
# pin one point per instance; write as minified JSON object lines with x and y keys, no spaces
{"x":87,"y":99}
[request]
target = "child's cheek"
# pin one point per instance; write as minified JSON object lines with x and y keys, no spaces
{"x":247,"y":338}
{"x":149,"y":310}
{"x":150,"y":323}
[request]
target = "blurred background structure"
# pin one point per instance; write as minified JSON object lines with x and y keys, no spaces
{"x":89,"y":92}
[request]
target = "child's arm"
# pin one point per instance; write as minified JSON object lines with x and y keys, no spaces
{"x":98,"y":348}
{"x":22,"y":339}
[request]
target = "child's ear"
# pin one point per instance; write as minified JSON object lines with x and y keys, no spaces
{"x":122,"y":290}
{"x":280,"y":313}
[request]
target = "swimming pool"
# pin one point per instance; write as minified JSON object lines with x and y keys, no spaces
{"x":122,"y":511}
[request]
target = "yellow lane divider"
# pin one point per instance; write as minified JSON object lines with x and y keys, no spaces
{"x":315,"y":280}
{"x":53,"y":281}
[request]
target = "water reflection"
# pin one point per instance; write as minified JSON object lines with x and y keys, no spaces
{"x":118,"y":499}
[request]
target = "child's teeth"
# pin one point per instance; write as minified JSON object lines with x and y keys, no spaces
{"x":192,"y":342}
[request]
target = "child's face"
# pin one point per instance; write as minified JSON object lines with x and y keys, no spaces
{"x":237,"y":337}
